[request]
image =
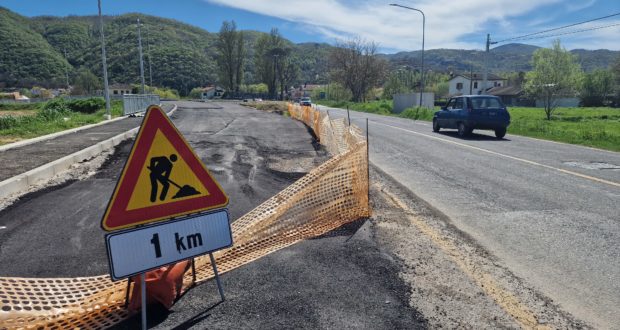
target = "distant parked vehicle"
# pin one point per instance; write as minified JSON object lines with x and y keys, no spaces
{"x":469,"y":112}
{"x":305,"y":101}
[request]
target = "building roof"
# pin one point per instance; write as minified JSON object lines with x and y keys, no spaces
{"x":505,"y":91}
{"x":120,"y":86}
{"x":478,"y":76}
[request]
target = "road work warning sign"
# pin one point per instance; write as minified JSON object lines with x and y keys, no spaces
{"x":163,"y":178}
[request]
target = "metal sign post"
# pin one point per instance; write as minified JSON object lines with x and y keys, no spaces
{"x":217,"y":276}
{"x":143,"y":293}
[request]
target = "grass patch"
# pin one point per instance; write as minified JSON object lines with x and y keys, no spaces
{"x":381,"y":107}
{"x":279,"y":106}
{"x":47,"y":120}
{"x":593,"y":127}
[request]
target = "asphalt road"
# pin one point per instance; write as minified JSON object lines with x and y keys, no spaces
{"x":341,"y":280}
{"x":549,"y":211}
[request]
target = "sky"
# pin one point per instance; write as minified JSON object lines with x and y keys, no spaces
{"x":456,"y":24}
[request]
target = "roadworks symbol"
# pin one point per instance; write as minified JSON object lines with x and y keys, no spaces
{"x":165,"y":177}
{"x":162,"y":179}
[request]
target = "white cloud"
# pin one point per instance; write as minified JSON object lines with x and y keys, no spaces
{"x":449,"y":23}
{"x":580,"y":5}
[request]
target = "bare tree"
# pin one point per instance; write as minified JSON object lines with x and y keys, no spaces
{"x":355,"y":65}
{"x":230,"y":56}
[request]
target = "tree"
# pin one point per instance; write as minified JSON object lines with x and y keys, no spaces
{"x":288,"y":74}
{"x":615,"y":71}
{"x":355,"y":65}
{"x":556,"y":74}
{"x":269,"y":53}
{"x":86,"y":83}
{"x":597,"y":87}
{"x":230,"y":55}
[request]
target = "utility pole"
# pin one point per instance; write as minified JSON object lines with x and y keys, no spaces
{"x":471,"y":77}
{"x":106,"y":91}
{"x":141,"y":62}
{"x":486,"y":64}
{"x":67,"y":70}
{"x":148,"y":49}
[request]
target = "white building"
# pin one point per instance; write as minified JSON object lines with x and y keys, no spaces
{"x":471,"y":84}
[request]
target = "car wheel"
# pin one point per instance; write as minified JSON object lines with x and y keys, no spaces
{"x":500,"y":133}
{"x":463,"y":130}
{"x":435,"y":126}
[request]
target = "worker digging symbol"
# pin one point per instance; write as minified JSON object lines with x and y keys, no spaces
{"x":160,"y":168}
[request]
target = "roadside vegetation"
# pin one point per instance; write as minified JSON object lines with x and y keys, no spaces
{"x":594,"y":127}
{"x":29,"y":120}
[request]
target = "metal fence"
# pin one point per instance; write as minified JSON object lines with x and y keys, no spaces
{"x":134,"y":103}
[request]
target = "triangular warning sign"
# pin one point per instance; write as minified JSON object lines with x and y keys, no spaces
{"x":162,"y":178}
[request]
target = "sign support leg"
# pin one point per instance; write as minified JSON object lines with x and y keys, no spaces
{"x":127,"y":292}
{"x":217,"y":276}
{"x":193,"y":272}
{"x":143,"y":289}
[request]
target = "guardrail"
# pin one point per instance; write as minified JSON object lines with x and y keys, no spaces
{"x":134,"y":103}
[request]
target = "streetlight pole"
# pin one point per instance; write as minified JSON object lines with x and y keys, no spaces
{"x":141,"y":62}
{"x":423,"y":28}
{"x":106,"y":91}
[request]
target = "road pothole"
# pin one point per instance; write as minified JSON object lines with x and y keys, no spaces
{"x":594,"y":165}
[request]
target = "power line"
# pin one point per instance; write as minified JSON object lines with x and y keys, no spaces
{"x":559,"y":28}
{"x":571,"y":32}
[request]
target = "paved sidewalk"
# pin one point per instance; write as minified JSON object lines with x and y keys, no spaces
{"x":19,"y":160}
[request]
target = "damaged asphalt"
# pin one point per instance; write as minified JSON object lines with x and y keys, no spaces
{"x":340,"y":280}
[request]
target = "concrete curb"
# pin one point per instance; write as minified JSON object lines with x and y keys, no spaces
{"x":55,"y":135}
{"x":61,"y":133}
{"x":22,"y":181}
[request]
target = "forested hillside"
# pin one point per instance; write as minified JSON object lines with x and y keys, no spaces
{"x":32,"y":52}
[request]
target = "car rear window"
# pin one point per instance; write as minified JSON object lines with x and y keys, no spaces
{"x":486,"y":103}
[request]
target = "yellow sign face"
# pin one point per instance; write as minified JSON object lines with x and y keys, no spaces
{"x":153,"y":180}
{"x":162,"y":179}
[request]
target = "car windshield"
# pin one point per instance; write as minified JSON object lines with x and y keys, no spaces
{"x":486,"y":103}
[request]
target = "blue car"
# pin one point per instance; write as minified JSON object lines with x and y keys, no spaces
{"x":468,"y":112}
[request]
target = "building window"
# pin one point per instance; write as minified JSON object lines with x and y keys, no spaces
{"x":476,"y":84}
{"x":459,"y":85}
{"x":115,"y":92}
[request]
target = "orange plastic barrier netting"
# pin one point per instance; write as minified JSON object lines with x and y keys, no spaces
{"x":328,"y":197}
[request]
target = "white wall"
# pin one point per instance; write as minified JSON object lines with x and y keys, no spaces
{"x":474,"y":91}
{"x":401,"y":102}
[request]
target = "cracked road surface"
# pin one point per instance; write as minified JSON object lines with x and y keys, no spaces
{"x":341,"y":280}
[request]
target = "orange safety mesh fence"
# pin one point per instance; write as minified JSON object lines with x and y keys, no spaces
{"x":328,"y":197}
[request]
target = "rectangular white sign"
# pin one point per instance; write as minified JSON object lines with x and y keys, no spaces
{"x":134,"y":251}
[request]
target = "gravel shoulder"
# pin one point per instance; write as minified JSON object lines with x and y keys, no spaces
{"x":454,"y":282}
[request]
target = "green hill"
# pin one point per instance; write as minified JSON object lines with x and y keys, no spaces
{"x":182,"y":56}
{"x":25,"y":56}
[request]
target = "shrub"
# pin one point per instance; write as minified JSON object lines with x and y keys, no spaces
{"x":7,"y":122}
{"x":57,"y":104}
{"x":90,"y":105}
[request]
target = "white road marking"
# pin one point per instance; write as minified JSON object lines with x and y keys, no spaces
{"x":2,"y":227}
{"x":588,"y":177}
